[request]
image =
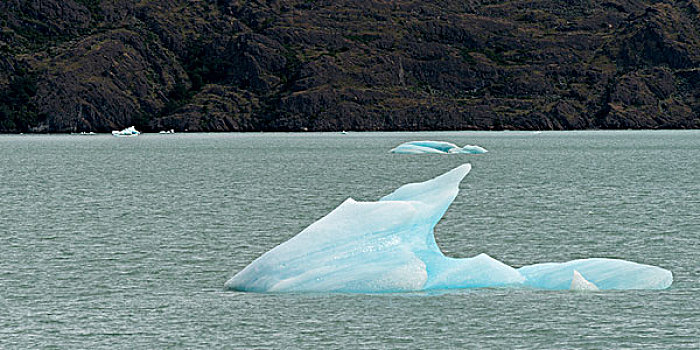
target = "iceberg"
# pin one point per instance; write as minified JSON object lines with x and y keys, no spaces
{"x":605,"y":274}
{"x":128,"y":132}
{"x":437,"y":147}
{"x":389,"y":246}
{"x":470,"y":149}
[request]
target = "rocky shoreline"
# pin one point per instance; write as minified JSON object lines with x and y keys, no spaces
{"x":228,"y":65}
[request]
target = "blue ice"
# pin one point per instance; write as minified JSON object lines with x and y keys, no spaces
{"x":603,"y":273}
{"x":438,"y":147}
{"x":389,"y":246}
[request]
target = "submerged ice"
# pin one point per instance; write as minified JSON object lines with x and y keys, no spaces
{"x":439,"y":147}
{"x":389,"y":246}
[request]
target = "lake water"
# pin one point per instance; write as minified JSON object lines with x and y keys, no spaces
{"x":126,"y":243}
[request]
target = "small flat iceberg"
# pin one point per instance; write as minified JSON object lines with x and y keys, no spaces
{"x":128,"y":132}
{"x":604,"y":274}
{"x":436,"y":147}
{"x":389,"y":246}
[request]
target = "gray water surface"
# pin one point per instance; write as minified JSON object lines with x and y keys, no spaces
{"x":126,"y":243}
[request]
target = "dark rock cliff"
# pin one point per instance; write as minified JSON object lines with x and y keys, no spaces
{"x":230,"y":65}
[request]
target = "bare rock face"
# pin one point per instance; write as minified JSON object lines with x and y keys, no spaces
{"x":648,"y":97}
{"x":7,"y":70}
{"x":106,"y":81}
{"x":291,"y":65}
{"x":215,"y":108}
{"x":660,"y":36}
{"x":39,"y":20}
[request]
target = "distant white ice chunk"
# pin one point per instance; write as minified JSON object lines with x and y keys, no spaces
{"x":128,"y":132}
{"x":579,"y":283}
{"x":439,"y":147}
{"x":389,"y":246}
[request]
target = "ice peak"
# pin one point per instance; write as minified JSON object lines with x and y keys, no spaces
{"x":579,"y":283}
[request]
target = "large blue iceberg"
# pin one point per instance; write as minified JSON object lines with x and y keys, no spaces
{"x":438,"y":147}
{"x":389,"y":246}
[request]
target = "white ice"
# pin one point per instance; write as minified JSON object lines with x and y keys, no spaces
{"x":438,"y":147}
{"x":579,"y":283}
{"x":389,"y":246}
{"x":130,"y":131}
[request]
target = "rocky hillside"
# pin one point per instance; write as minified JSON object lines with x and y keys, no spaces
{"x":289,"y":65}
